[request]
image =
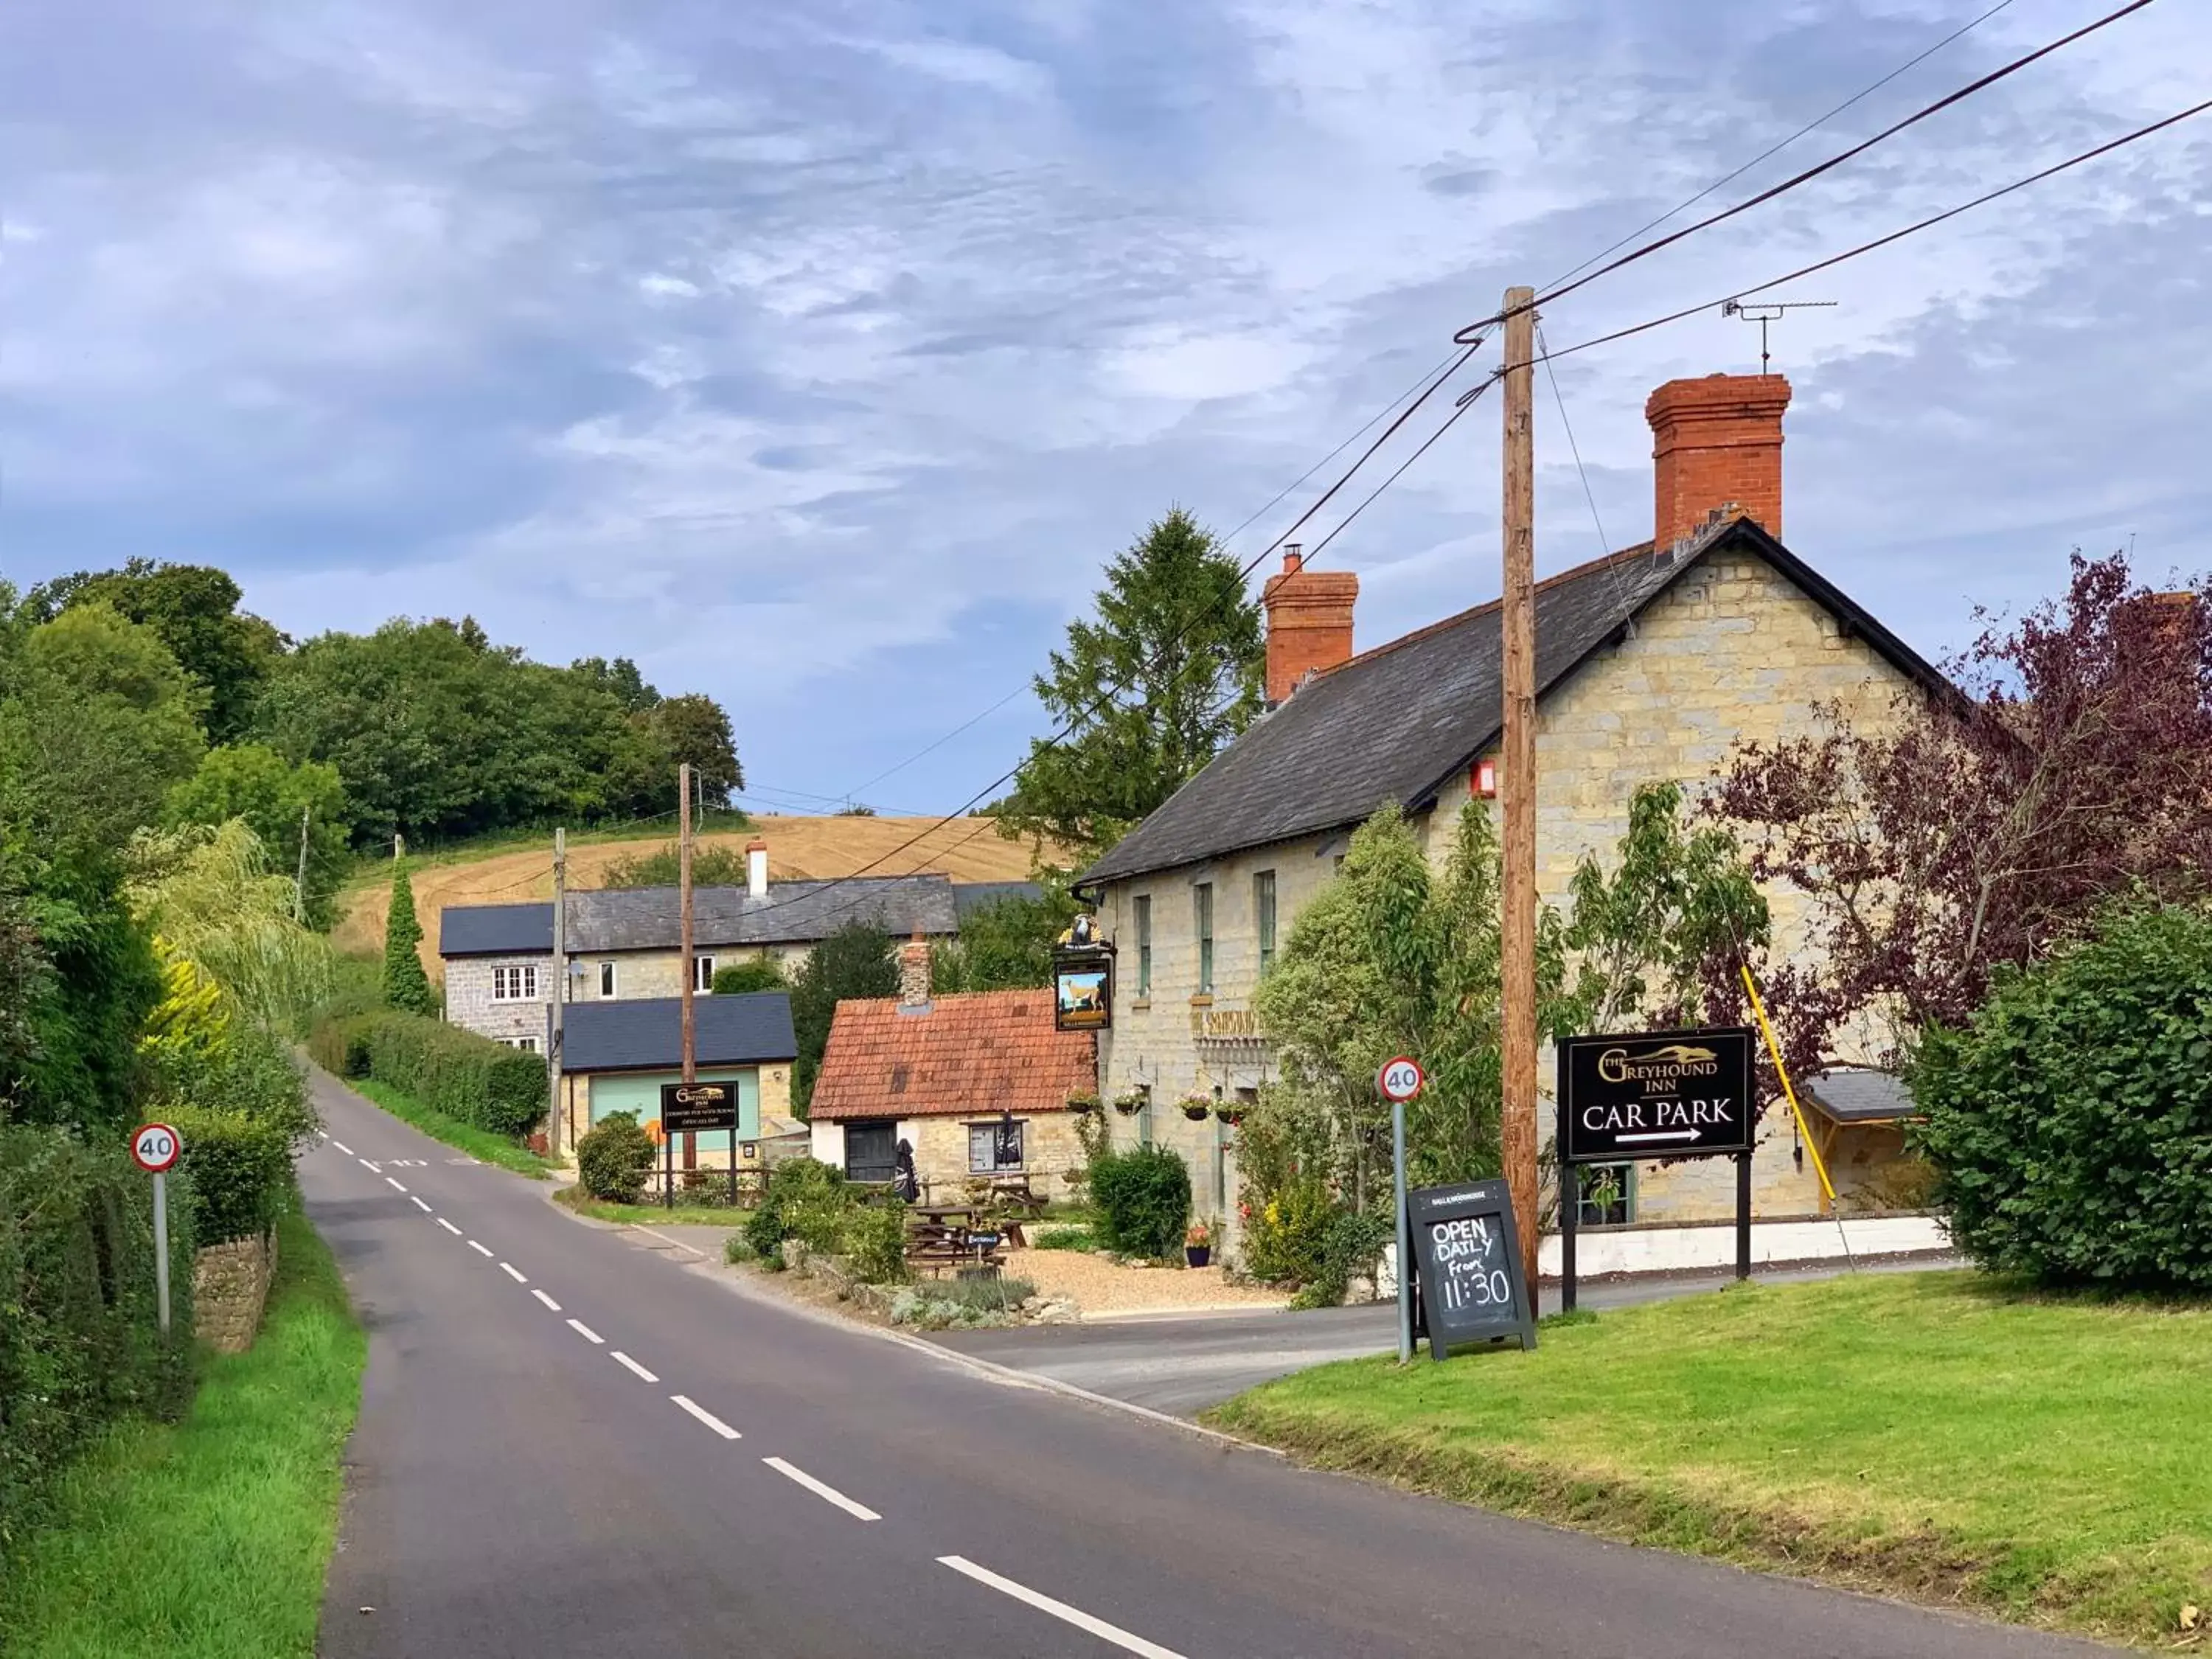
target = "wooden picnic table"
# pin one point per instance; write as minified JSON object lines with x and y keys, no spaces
{"x":942,"y":1234}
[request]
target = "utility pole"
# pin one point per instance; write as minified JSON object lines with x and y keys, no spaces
{"x":690,"y":963}
{"x":1517,"y":1130}
{"x":560,"y":987}
{"x":300,"y":881}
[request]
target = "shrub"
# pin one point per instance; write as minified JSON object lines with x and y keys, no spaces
{"x":340,"y":1045}
{"x":1352,"y":1245}
{"x":614,"y":1159}
{"x":803,"y":1199}
{"x":2071,"y":1122}
{"x":79,"y":1343}
{"x":1286,"y":1237}
{"x":961,"y":1301}
{"x":450,"y":1070}
{"x":875,"y":1242}
{"x":240,"y":1167}
{"x":1064,"y":1239}
{"x":753,"y":974}
{"x":1143,"y":1200}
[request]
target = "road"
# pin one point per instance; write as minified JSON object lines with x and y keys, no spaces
{"x":569,"y":1447}
{"x":1182,"y":1365}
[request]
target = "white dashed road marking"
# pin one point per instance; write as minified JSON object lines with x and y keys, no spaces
{"x":633,"y":1367}
{"x":449,"y":1226}
{"x":1075,"y":1616}
{"x":373,"y":1169}
{"x":512,"y":1273}
{"x":343,"y":1147}
{"x":420,"y":1205}
{"x":828,"y":1494}
{"x":547,"y":1300}
{"x":478,"y":1248}
{"x":706,"y":1417}
{"x":586,"y":1333}
{"x":394,"y":1185}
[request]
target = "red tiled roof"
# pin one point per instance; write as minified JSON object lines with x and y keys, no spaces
{"x":987,"y":1051}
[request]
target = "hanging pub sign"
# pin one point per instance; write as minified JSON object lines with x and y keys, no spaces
{"x":688,"y":1108}
{"x":1655,"y":1094}
{"x":1466,"y":1257}
{"x":1083,"y":983}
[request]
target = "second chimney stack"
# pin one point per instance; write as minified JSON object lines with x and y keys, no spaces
{"x":1308,"y":622}
{"x":757,"y":868}
{"x":1715,"y":441}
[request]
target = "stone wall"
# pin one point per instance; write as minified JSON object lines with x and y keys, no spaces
{"x":1049,"y":1150}
{"x":469,"y":1002}
{"x":230,"y":1284}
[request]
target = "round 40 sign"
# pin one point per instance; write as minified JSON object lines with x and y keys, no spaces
{"x":156,"y":1147}
{"x":1400,"y":1079}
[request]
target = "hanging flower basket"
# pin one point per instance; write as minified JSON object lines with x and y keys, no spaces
{"x":1082,"y":1101}
{"x":1129,"y":1104}
{"x":1196,"y":1107}
{"x":1230,"y":1112}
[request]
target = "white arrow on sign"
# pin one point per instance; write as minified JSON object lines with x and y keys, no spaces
{"x":1662,"y":1134}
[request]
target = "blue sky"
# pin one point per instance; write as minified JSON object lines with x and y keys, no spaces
{"x":819,"y":356}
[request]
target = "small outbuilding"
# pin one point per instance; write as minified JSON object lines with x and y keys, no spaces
{"x":616,"y":1055}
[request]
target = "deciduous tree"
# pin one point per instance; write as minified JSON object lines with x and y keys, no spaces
{"x":856,"y":961}
{"x":252,"y":782}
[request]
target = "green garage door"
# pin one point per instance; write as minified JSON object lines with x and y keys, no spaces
{"x":640,"y":1092}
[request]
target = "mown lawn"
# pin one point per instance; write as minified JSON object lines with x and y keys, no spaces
{"x":479,"y":1144}
{"x":208,"y":1539}
{"x":1941,"y":1435}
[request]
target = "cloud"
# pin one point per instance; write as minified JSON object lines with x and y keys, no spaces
{"x":819,"y":358}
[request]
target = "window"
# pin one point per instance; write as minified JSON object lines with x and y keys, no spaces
{"x":870,"y":1151}
{"x":528,"y":1045}
{"x":993,"y":1146}
{"x":606,"y":979}
{"x":1609,"y":1195}
{"x":1142,"y":913}
{"x":518,"y":984}
{"x":1263,"y":914}
{"x":703,"y":973}
{"x":1201,"y":915}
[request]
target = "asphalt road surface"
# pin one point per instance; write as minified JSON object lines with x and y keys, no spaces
{"x":568,"y":1446}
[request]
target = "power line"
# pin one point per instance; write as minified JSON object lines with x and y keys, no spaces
{"x":1815,"y":171}
{"x":1604,"y":545}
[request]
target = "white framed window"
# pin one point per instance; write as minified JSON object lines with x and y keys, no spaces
{"x":702,"y":974}
{"x":516,"y":984}
{"x":527,"y":1044}
{"x":994,"y":1147}
{"x":606,"y":979}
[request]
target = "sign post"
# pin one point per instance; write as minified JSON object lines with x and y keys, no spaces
{"x":1652,"y":1095}
{"x":1398,"y":1082}
{"x":155,"y":1147}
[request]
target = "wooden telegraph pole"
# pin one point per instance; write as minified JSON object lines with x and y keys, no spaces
{"x":689,"y":967}
{"x":560,"y":987}
{"x":1517,"y":782}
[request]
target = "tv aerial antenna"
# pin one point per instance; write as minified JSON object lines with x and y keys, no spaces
{"x":1769,"y":312}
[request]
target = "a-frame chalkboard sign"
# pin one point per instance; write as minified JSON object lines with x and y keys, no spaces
{"x":1467,"y":1262}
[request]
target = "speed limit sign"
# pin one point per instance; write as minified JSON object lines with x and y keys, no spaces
{"x":156,"y":1147}
{"x":1400,"y":1080}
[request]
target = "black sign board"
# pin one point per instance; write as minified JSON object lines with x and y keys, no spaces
{"x":1466,"y":1255}
{"x":1655,"y":1094}
{"x":1083,"y":989}
{"x":686,"y":1107}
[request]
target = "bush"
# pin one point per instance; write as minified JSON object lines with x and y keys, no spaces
{"x":1352,"y":1245}
{"x":241,"y":1167}
{"x":497,"y":1089}
{"x":875,"y":1242}
{"x":79,"y":1343}
{"x":801,"y":1199}
{"x":753,"y":974}
{"x":614,"y":1159}
{"x":1064,"y":1239}
{"x":1143,"y":1200}
{"x":961,"y":1301}
{"x":1286,"y":1237}
{"x":2070,"y":1123}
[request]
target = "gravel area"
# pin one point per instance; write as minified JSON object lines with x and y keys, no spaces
{"x":1100,"y":1286}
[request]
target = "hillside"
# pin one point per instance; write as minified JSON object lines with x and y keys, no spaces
{"x":798,"y":848}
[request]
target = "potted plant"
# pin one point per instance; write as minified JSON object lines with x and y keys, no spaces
{"x":1081,"y":1101}
{"x":1230,"y":1112}
{"x":1129,"y":1102}
{"x":1197,"y":1245}
{"x":1195,"y":1106}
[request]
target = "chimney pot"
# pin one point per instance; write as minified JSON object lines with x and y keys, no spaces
{"x":1716,"y":452}
{"x":1308,"y":622}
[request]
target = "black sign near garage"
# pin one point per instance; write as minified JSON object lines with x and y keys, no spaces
{"x":1466,"y":1257}
{"x":1655,"y":1094}
{"x":687,"y":1108}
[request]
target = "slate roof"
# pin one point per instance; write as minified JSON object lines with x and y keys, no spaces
{"x":969,"y":896}
{"x":1396,"y":723}
{"x":978,"y":1053}
{"x":1860,"y":1094}
{"x":646,"y":1033}
{"x":647,"y":918}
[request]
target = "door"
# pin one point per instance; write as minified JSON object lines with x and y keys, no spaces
{"x":870,"y":1151}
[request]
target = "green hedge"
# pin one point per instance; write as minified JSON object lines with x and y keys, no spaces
{"x":241,"y":1171}
{"x":614,"y":1159}
{"x":1143,"y":1200}
{"x":80,"y":1345}
{"x":450,"y":1070}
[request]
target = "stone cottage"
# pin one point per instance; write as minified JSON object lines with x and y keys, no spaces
{"x":1651,"y":663}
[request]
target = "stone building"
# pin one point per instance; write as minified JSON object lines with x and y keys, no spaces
{"x":1651,"y":663}
{"x":977,"y":1084}
{"x":619,"y":1053}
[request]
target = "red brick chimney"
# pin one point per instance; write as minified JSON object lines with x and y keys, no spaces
{"x":1716,"y":441}
{"x":1308,"y":622}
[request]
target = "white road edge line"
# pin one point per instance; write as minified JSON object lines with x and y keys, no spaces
{"x":547,"y":1300}
{"x":512,"y":1273}
{"x":1075,"y":1616}
{"x":343,"y":1147}
{"x":633,"y":1367}
{"x":586,"y":1333}
{"x":373,"y":1169}
{"x":706,"y":1417}
{"x":394,"y":1184}
{"x":827,"y":1493}
{"x":449,"y":1226}
{"x":479,"y":1249}
{"x":420,"y":1205}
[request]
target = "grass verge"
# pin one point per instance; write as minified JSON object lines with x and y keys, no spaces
{"x":1940,"y":1435}
{"x":694,"y":1215}
{"x":479,"y":1144}
{"x":207,"y":1539}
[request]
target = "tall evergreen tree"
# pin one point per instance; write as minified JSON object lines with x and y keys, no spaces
{"x":405,"y":985}
{"x":1177,"y":642}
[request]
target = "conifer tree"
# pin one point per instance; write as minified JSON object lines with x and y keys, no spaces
{"x":405,"y":985}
